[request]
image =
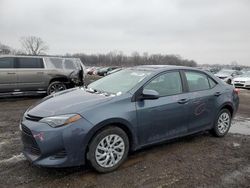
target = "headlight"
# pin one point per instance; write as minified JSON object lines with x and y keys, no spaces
{"x":57,"y":121}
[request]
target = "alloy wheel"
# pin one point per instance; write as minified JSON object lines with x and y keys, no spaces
{"x":223,"y":122}
{"x":110,"y":151}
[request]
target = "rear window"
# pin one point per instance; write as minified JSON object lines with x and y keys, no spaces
{"x":6,"y":63}
{"x":30,"y":63}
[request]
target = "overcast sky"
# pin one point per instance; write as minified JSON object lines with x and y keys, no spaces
{"x":207,"y":31}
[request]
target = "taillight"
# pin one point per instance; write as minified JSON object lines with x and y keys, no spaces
{"x":237,"y":91}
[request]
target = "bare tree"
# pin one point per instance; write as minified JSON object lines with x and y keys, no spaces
{"x":34,"y":45}
{"x":4,"y":49}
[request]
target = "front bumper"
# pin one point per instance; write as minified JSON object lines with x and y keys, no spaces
{"x":242,"y":84}
{"x":55,"y":147}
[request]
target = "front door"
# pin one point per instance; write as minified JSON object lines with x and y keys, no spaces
{"x":8,"y":76}
{"x":165,"y":117}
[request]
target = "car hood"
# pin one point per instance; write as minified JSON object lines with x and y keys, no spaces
{"x":222,"y":75}
{"x":242,"y":79}
{"x":67,"y":102}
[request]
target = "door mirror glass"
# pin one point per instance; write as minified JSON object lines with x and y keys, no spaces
{"x":149,"y":94}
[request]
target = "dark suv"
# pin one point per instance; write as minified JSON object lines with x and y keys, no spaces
{"x":34,"y":74}
{"x":123,"y":112}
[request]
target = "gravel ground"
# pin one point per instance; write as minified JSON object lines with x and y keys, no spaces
{"x":194,"y":161}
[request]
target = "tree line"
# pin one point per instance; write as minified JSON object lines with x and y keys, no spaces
{"x":120,"y":59}
{"x":32,"y":45}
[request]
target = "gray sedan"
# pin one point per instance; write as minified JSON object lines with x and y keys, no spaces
{"x":123,"y":112}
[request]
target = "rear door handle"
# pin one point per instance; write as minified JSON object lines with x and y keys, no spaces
{"x":11,"y":73}
{"x":183,"y":101}
{"x":217,"y":94}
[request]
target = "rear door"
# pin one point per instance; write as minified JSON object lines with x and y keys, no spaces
{"x":30,"y":74}
{"x":8,"y":76}
{"x":201,"y":100}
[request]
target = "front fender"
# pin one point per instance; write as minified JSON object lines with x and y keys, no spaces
{"x":122,"y":123}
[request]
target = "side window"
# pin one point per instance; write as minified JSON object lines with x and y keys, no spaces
{"x":69,"y":64}
{"x":54,"y":63}
{"x":212,"y":82}
{"x":166,"y":84}
{"x":197,"y":81}
{"x":6,"y":63}
{"x":30,"y":63}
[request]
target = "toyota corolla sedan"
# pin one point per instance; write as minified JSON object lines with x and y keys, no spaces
{"x":123,"y":112}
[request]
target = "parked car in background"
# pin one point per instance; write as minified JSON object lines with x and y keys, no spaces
{"x":113,"y":71}
{"x":20,"y":75}
{"x":242,"y":81}
{"x":90,"y":70}
{"x":95,"y":72}
{"x":125,"y":111}
{"x":227,"y":75}
{"x":103,"y":71}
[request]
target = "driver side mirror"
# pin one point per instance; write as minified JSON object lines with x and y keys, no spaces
{"x":149,"y":94}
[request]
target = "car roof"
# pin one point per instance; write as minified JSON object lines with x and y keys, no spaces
{"x":38,"y":56}
{"x":158,"y":68}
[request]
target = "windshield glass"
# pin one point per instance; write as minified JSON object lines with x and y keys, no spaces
{"x":227,"y":72}
{"x":119,"y":82}
{"x":245,"y":74}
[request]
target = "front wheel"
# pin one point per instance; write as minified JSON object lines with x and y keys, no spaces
{"x":222,"y":123}
{"x":56,"y":87}
{"x":108,"y":149}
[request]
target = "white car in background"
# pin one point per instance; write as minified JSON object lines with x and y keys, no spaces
{"x":227,"y":75}
{"x":242,"y":81}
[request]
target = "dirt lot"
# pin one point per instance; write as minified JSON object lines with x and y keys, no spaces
{"x":194,"y":161}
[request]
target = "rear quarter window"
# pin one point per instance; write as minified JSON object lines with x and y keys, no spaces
{"x":212,"y":83}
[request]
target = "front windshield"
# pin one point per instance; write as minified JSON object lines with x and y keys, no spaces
{"x":119,"y":82}
{"x":245,"y":74}
{"x":227,"y":72}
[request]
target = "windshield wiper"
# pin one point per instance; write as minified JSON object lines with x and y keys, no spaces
{"x":92,"y":90}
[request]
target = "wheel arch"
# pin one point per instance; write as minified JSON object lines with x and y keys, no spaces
{"x":228,"y":106}
{"x":60,"y":78}
{"x":116,"y":122}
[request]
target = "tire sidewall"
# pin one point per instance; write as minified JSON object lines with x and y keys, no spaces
{"x":56,"y":82}
{"x":96,"y":140}
{"x":215,"y":129}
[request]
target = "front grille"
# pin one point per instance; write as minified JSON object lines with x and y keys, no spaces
{"x":60,"y":154}
{"x":29,"y":142}
{"x":240,"y":85}
{"x":32,"y":118}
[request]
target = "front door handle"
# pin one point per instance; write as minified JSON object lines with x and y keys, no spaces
{"x":183,"y":101}
{"x":217,"y":94}
{"x":39,"y":72}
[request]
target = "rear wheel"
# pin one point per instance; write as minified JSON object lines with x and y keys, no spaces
{"x":56,"y":87}
{"x":108,"y":149}
{"x":222,"y":123}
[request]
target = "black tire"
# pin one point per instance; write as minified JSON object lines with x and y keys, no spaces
{"x":55,"y":86}
{"x":96,"y":141}
{"x":216,"y":131}
{"x":229,"y":81}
